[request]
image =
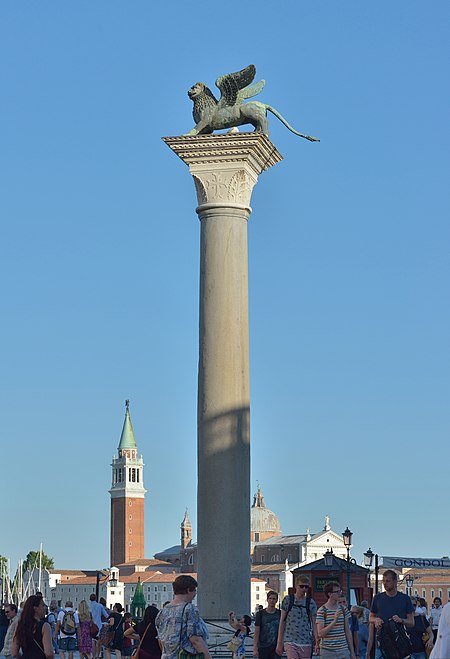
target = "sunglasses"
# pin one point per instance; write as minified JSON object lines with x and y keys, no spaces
{"x":301,"y":585}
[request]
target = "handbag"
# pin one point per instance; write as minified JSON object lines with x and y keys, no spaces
{"x":106,"y":636}
{"x":93,"y":629}
{"x":234,"y":644}
{"x":136,"y":651}
{"x":184,"y":654}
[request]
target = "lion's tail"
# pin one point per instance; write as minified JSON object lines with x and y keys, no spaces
{"x":283,"y":120}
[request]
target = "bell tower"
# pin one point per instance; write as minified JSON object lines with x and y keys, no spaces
{"x":186,"y":531}
{"x":127,"y":498}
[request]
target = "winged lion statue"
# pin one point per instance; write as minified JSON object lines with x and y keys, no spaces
{"x":231,"y":111}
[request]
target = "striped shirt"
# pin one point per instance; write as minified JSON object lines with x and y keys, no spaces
{"x":335,"y":638}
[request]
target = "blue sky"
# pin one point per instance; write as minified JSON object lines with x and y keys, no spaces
{"x":348,"y":257}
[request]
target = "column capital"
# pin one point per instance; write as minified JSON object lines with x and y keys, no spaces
{"x":225,"y":167}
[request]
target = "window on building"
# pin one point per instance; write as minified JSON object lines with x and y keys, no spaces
{"x":133,"y":475}
{"x":263,"y":558}
{"x":289,"y":558}
{"x":257,"y":597}
{"x":440,"y":593}
{"x":191,"y":559}
{"x":113,"y":592}
{"x":416,"y":592}
{"x":424,"y":593}
{"x":164,"y":589}
{"x":448,"y":594}
{"x":137,"y":474}
{"x":256,"y":537}
{"x":432,"y":593}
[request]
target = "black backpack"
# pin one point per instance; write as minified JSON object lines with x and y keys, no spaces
{"x":394,"y":641}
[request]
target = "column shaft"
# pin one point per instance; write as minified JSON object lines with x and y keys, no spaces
{"x":223,"y":415}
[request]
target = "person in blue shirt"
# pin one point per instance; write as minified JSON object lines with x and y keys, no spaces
{"x":390,"y":605}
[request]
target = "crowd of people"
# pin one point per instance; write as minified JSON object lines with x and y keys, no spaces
{"x":395,"y":626}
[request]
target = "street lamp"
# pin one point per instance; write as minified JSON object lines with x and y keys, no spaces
{"x":368,"y":560}
{"x":409,"y":583}
{"x":347,"y":537}
{"x":328,"y":558}
{"x":107,"y":577}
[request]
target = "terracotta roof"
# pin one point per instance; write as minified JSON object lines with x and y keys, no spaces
{"x":145,"y":577}
{"x":143,"y":561}
{"x":150,"y":577}
{"x":270,"y":567}
{"x":74,"y":572}
{"x":255,"y":580}
{"x":80,"y":581}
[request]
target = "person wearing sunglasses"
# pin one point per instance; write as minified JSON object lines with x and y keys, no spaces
{"x":333,"y":627}
{"x":297,"y":631}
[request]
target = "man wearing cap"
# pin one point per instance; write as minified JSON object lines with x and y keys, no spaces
{"x":297,"y":630}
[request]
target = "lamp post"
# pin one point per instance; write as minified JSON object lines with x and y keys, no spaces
{"x":368,"y":560}
{"x":328,"y":558}
{"x":347,"y":537}
{"x":409,"y":584}
{"x":107,"y":574}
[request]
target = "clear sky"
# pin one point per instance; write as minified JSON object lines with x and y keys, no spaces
{"x":348,"y":257}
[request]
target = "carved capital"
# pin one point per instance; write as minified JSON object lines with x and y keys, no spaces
{"x":225,"y":167}
{"x":224,"y":186}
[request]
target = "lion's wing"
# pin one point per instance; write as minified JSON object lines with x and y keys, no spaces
{"x":231,"y":84}
{"x":251,"y":90}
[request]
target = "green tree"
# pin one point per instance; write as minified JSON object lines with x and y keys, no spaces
{"x":32,"y":560}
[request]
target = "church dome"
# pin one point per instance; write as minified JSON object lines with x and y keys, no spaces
{"x":263,"y":520}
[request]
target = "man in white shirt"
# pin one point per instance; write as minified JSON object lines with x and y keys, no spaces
{"x":66,"y":625}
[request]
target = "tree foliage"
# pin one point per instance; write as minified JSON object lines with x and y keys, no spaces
{"x":32,"y":560}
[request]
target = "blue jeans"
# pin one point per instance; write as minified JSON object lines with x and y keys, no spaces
{"x":419,"y":655}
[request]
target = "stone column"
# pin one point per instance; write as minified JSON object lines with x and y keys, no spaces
{"x":225,"y":168}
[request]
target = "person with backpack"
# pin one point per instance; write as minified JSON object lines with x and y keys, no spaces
{"x":333,"y":626}
{"x":297,"y":631}
{"x":391,"y":612}
{"x":66,"y":626}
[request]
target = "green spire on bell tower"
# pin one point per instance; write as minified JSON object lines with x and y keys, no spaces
{"x":127,"y":440}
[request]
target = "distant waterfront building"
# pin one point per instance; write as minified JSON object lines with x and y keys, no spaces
{"x":127,"y":498}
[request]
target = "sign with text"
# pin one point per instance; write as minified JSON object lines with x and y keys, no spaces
{"x":399,"y":562}
{"x":321,"y":582}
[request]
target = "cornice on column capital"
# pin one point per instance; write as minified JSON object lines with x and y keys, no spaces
{"x":199,"y":150}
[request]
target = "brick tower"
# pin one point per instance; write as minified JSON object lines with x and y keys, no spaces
{"x":127,"y":498}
